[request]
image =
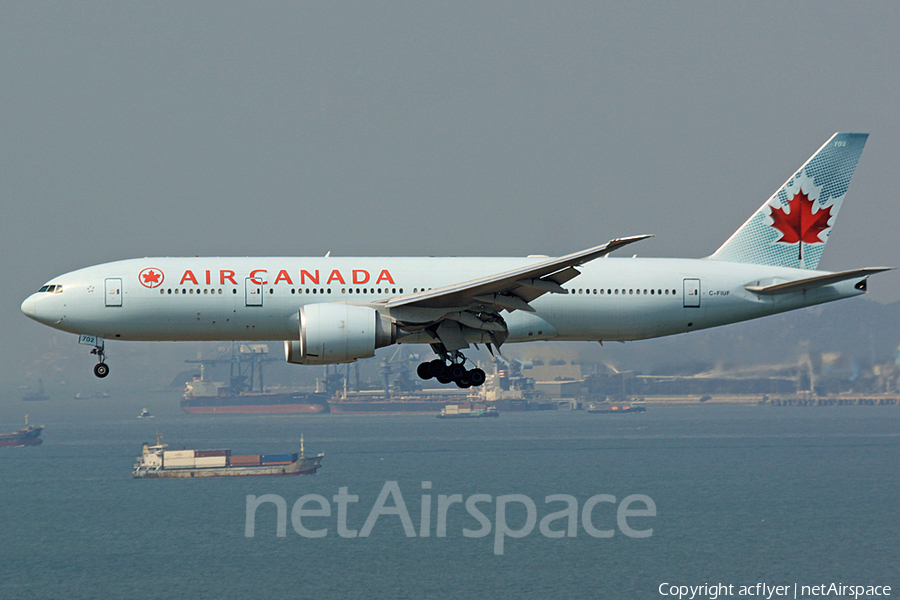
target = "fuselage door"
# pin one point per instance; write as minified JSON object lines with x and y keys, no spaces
{"x":691,"y":293}
{"x":253,"y":293}
{"x":113,"y":292}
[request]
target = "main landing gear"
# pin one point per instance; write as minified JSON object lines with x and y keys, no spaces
{"x":451,"y":368}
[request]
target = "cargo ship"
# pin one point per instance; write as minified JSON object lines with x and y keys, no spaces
{"x":37,"y":395}
{"x":212,"y":398}
{"x":614,"y":409}
{"x":245,"y":392}
{"x":157,"y":462}
{"x":29,"y":436}
{"x":468,"y":411}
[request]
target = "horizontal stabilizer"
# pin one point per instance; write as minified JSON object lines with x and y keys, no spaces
{"x":801,"y":285}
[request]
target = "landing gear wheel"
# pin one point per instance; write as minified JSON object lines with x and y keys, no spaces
{"x":477,"y":377}
{"x":443,"y":378}
{"x":101,"y":370}
{"x":464,"y":383}
{"x":437,"y":368}
{"x":457,"y":372}
{"x":424,"y":371}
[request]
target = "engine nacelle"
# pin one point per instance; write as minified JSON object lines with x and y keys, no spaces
{"x":333,"y":333}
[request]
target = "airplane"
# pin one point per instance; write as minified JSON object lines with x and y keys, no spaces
{"x":331,"y":310}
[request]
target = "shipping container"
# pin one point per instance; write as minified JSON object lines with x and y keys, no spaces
{"x":245,"y":461}
{"x":178,"y":463}
{"x":178,"y":454}
{"x":208,"y":453}
{"x":210,"y":461}
{"x":276,"y":463}
{"x":271,"y":458}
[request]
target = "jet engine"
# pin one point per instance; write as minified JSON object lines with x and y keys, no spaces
{"x":333,"y":333}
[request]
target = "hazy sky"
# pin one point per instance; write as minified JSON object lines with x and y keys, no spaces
{"x":147,"y":129}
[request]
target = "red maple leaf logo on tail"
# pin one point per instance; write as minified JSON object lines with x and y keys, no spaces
{"x":801,"y":224}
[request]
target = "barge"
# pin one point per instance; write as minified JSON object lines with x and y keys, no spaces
{"x":614,"y":409}
{"x":468,"y":411}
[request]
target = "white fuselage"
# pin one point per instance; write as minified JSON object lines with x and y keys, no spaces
{"x":259,"y":298}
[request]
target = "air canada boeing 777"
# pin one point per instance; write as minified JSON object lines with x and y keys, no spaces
{"x":331,"y":310}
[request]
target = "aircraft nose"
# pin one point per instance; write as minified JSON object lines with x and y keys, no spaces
{"x":28,"y":307}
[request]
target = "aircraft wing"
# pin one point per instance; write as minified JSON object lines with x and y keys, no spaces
{"x":477,"y":304}
{"x":512,"y":290}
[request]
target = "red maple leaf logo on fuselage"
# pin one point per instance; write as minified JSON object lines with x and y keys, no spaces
{"x":151,"y":278}
{"x":800,"y":225}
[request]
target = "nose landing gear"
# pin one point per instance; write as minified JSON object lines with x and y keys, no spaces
{"x":101,"y":370}
{"x":451,"y":368}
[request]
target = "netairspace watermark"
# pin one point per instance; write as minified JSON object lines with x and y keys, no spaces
{"x":712,"y":591}
{"x":557,"y":524}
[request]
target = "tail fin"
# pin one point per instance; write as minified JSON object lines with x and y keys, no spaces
{"x":792,"y":227}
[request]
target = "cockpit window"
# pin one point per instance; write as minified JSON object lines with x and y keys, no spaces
{"x":51,"y":289}
{"x":58,"y":290}
{"x":44,"y":289}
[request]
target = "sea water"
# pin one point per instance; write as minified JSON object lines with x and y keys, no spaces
{"x":741,"y":495}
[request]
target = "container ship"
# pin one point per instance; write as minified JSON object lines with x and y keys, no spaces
{"x":156,"y":462}
{"x":468,"y":411}
{"x":29,"y":436}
